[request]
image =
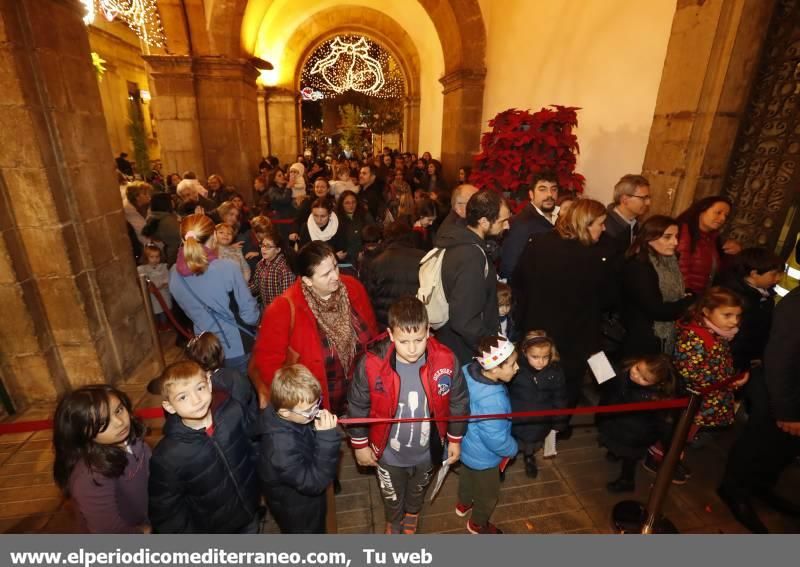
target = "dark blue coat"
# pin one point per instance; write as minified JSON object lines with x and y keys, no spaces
{"x":297,"y":464}
{"x":525,"y":224}
{"x":532,"y":390}
{"x":202,"y":483}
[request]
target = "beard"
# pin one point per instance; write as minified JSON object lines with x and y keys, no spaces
{"x":548,"y":206}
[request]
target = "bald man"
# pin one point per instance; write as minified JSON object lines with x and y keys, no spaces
{"x":458,"y":206}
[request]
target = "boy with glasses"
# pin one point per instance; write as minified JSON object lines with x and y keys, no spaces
{"x":299,"y":452}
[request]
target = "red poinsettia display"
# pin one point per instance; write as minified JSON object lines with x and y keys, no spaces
{"x":522,"y":143}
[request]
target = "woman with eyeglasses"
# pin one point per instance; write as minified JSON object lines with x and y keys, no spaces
{"x":273,"y":274}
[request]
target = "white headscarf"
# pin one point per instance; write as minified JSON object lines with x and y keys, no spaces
{"x":299,"y":187}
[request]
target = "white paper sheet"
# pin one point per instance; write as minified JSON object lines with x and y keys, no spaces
{"x":601,"y":367}
{"x":550,"y":445}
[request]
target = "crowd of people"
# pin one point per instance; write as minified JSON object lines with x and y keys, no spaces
{"x":369,"y":289}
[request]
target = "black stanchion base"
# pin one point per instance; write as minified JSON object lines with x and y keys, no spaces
{"x":629,"y":516}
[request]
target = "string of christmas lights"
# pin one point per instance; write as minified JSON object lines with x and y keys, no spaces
{"x":141,"y":16}
{"x":353,"y":63}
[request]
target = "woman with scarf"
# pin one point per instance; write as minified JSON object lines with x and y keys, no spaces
{"x":322,"y":224}
{"x":654,"y":296}
{"x":322,"y":322}
{"x":201,"y":285}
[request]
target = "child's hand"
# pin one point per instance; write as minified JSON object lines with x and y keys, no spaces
{"x":731,"y":247}
{"x":365,"y":457}
{"x":237,"y":245}
{"x":453,"y":453}
{"x":743,"y":380}
{"x":294,"y":237}
{"x":251,"y":255}
{"x":325,"y":420}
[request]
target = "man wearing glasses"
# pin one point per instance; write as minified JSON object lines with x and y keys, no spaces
{"x":631,"y":202}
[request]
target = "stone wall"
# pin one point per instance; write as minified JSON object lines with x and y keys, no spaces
{"x":72,"y":311}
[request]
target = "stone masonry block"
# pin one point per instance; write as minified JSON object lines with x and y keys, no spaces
{"x":31,"y":203}
{"x":85,"y":284}
{"x":30,"y":378}
{"x":81,"y":364}
{"x":18,"y":335}
{"x":64,"y":309}
{"x":24,"y":152}
{"x":100,"y":247}
{"x":46,"y":250}
{"x":185,"y":108}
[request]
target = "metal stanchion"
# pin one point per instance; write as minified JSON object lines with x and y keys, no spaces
{"x":630,"y":516}
{"x":151,"y":321}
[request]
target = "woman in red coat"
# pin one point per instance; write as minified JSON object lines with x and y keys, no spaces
{"x":322,"y":322}
{"x":701,"y":251}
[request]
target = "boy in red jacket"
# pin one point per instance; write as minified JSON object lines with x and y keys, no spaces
{"x":407,"y":375}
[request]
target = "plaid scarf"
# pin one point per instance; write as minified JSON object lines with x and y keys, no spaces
{"x":334,"y":318}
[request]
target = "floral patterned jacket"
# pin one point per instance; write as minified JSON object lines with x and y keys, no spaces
{"x":703,"y":359}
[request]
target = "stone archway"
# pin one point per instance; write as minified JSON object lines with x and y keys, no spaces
{"x":461,"y":33}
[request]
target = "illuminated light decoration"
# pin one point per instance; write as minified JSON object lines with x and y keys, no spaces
{"x":140,"y":15}
{"x":353,"y":63}
{"x":308,"y":93}
{"x":349,"y":67}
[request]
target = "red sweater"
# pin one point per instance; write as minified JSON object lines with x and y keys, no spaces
{"x":274,"y":338}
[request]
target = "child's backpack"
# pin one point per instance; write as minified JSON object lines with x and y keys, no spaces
{"x":431,"y":288}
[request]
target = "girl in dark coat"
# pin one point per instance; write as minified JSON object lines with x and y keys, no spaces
{"x":628,"y":435}
{"x":653,"y":288}
{"x":539,"y":385}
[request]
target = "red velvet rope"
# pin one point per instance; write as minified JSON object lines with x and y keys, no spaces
{"x":154,"y":290}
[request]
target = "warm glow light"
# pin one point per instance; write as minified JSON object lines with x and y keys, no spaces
{"x":142,"y":17}
{"x":268,"y":78}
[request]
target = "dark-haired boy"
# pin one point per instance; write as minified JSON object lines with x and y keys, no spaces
{"x":409,"y":374}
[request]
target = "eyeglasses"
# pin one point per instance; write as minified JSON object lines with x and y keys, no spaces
{"x":269,"y":247}
{"x":644,"y":198}
{"x":312,"y":412}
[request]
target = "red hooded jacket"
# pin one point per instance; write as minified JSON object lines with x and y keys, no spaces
{"x":698,"y":266}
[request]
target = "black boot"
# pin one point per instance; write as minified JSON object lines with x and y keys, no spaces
{"x":337,"y":486}
{"x":531,"y":470}
{"x":742,"y":509}
{"x":626,"y":481}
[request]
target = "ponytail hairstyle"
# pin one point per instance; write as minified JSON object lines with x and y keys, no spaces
{"x":714,"y":298}
{"x":80,"y":416}
{"x":195,"y":232}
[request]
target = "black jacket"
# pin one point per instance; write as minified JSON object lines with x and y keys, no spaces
{"x":643,"y":304}
{"x":782,"y":359}
{"x":618,"y":234}
{"x":629,"y":434}
{"x":393,"y":273}
{"x":533,"y":390}
{"x":525,"y":224}
{"x":562,"y":287}
{"x":297,"y":464}
{"x":750,"y":341}
{"x":374,"y":198}
{"x":201,"y":483}
{"x":470,"y":285}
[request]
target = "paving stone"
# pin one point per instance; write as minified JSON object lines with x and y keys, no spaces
{"x":562,"y":522}
{"x":359,"y":501}
{"x":26,"y":480}
{"x":23,"y":457}
{"x":30,"y":507}
{"x":25,"y":525}
{"x":41,"y":491}
{"x":12,"y":469}
{"x":365,"y":529}
{"x":353,"y":518}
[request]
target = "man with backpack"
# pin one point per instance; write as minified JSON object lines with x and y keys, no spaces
{"x":468,"y":277}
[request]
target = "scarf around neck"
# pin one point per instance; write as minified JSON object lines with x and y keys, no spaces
{"x":670,"y":283}
{"x":183,"y":268}
{"x":334,"y":317}
{"x":722,"y":333}
{"x":324,"y":234}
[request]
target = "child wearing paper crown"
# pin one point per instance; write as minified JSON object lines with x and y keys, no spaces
{"x":488,"y":442}
{"x":410,"y":374}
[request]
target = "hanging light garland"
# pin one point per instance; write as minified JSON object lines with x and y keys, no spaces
{"x":352,"y":63}
{"x":140,"y":15}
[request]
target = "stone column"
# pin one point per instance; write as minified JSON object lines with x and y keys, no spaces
{"x":174,"y":105}
{"x":461,"y":124}
{"x":262,"y":121}
{"x":711,"y":58}
{"x":227,"y":105}
{"x":411,"y":125}
{"x":282,"y":116}
{"x":72,"y":310}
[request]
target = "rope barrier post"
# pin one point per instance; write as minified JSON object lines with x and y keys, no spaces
{"x":630,"y":516}
{"x":151,"y":321}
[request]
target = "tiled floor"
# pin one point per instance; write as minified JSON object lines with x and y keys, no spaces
{"x":569,"y":495}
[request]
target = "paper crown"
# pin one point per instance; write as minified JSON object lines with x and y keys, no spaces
{"x":497,"y":355}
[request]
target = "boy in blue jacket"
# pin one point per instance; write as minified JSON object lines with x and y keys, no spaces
{"x":488,"y":442}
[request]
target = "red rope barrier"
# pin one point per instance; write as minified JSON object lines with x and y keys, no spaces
{"x":178,"y":327}
{"x":157,"y":412}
